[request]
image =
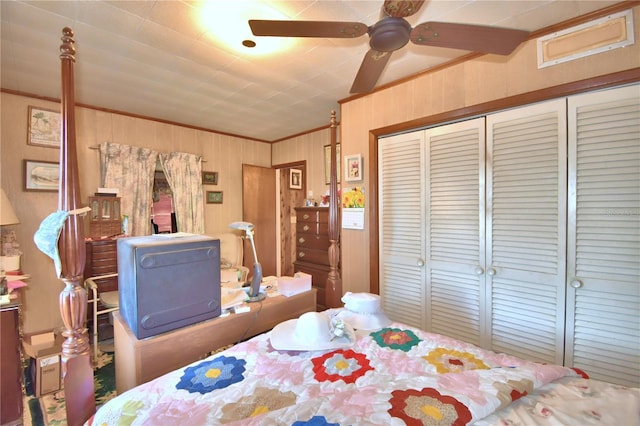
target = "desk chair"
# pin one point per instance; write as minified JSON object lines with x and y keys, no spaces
{"x":110,"y":303}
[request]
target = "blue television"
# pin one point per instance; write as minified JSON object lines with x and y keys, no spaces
{"x":168,"y":281}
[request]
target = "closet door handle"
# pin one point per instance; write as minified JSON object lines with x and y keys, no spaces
{"x":479,"y":270}
{"x":420,"y":263}
{"x":491,"y":272}
{"x":576,"y":284}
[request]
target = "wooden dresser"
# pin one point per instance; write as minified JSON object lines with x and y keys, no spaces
{"x":11,"y":389}
{"x":102,"y":259}
{"x":312,"y":244}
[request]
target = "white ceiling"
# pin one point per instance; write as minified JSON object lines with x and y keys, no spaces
{"x":154,"y":58}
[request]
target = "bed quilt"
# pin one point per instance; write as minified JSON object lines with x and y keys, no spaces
{"x":394,"y":376}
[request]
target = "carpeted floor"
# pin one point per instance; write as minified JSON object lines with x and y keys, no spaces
{"x":49,"y":410}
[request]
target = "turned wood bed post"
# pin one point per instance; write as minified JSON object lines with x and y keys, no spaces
{"x":76,"y":355}
{"x":334,"y":282}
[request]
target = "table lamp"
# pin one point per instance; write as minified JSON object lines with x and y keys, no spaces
{"x":256,"y":280}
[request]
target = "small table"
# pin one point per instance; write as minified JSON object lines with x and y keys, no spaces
{"x":138,"y":361}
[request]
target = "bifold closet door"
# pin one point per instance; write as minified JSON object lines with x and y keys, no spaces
{"x":401,"y":206}
{"x":526,"y":231}
{"x":603,"y":273}
{"x":454,"y":270}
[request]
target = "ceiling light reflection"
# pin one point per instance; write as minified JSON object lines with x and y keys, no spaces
{"x":227,"y":22}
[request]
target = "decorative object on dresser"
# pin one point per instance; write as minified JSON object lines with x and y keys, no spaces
{"x":312,"y":245}
{"x":104,"y":218}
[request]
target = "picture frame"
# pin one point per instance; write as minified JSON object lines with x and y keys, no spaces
{"x":353,"y":168}
{"x":44,"y":127}
{"x":295,"y":179}
{"x":327,"y":163}
{"x":209,"y":178}
{"x":214,"y":197}
{"x":41,"y":175}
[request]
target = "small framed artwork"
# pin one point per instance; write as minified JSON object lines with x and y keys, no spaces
{"x":209,"y":178}
{"x":327,"y":163}
{"x":41,"y":175}
{"x":44,"y":127}
{"x":353,"y":167}
{"x":214,"y":197}
{"x":295,"y":178}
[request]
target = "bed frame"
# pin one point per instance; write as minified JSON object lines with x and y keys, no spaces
{"x":77,"y":370}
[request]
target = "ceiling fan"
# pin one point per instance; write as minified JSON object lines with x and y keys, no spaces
{"x":393,"y":32}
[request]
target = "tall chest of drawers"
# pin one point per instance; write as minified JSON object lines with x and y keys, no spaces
{"x":312,"y":244}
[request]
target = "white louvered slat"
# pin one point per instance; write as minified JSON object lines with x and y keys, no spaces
{"x":526,"y":192}
{"x":401,"y":212}
{"x":603,"y":312}
{"x":455,"y":176}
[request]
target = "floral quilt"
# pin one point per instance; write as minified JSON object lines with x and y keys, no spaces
{"x":394,"y":376}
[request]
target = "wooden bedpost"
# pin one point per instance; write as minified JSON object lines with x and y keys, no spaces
{"x":76,"y":355}
{"x":334,"y":282}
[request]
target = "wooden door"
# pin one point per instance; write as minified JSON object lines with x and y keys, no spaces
{"x":259,"y":207}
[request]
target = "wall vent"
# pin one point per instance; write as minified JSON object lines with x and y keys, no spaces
{"x":600,"y":35}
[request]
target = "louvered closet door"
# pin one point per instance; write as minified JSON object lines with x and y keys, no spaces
{"x":526,"y":231}
{"x":455,"y":229}
{"x":401,"y":218}
{"x":603,"y":302}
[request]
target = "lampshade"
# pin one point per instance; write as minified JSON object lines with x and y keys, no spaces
{"x":7,"y":215}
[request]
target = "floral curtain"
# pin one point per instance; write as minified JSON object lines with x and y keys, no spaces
{"x":184,"y":174}
{"x":130,"y":169}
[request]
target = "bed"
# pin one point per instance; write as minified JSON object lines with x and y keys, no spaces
{"x":391,"y":375}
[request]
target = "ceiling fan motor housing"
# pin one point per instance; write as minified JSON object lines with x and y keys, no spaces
{"x":389,"y":34}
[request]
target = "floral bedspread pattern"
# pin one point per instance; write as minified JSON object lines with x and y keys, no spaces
{"x":393,"y":376}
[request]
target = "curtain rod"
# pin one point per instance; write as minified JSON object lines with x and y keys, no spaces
{"x":97,"y":148}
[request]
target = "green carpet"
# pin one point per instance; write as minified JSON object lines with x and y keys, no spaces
{"x":50,"y":409}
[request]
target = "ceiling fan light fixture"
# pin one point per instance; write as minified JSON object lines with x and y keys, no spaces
{"x":389,"y":34}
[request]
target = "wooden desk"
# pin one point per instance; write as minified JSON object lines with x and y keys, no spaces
{"x":138,"y":361}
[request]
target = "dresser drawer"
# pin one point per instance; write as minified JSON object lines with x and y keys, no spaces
{"x":312,"y":255}
{"x":318,"y":228}
{"x":315,"y":216}
{"x":320,"y":242}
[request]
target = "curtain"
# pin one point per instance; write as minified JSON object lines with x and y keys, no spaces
{"x":130,"y":169}
{"x":184,"y":174}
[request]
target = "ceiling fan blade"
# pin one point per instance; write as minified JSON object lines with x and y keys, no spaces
{"x":370,"y":70}
{"x":476,"y":38}
{"x":307,"y":28}
{"x":401,"y":8}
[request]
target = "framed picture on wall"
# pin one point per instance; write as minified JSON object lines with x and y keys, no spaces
{"x":353,"y":168}
{"x":295,"y":178}
{"x":214,"y":197}
{"x":41,"y":175}
{"x":44,"y":127}
{"x":209,"y":178}
{"x":327,"y":163}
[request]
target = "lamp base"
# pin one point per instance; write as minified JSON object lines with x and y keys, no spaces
{"x":258,"y":298}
